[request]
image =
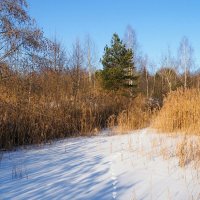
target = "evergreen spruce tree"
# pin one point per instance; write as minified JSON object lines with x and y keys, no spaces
{"x":118,"y":72}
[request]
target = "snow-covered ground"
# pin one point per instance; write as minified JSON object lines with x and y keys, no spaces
{"x":135,"y":166}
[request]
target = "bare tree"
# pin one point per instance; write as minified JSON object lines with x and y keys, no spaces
{"x":56,"y":56}
{"x":17,"y":30}
{"x":145,"y":75}
{"x":168,"y":69}
{"x":76,"y":63}
{"x":185,"y":53}
{"x":20,"y":38}
{"x":131,"y":42}
{"x":91,"y":56}
{"x":130,"y":39}
{"x":152,"y":69}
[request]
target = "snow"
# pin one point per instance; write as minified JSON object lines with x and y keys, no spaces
{"x":103,"y":167}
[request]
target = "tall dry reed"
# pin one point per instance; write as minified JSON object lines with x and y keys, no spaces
{"x":136,"y":115}
{"x":43,"y":106}
{"x":180,"y":112}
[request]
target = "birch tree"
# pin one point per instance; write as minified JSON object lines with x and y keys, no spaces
{"x":91,"y":56}
{"x":17,"y":29}
{"x":131,"y":42}
{"x":168,"y":70}
{"x":185,"y":54}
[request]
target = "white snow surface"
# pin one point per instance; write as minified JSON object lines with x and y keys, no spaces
{"x":104,"y":167}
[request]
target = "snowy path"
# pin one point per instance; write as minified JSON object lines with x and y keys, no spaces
{"x":97,"y":168}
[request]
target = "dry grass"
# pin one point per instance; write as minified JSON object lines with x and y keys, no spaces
{"x":45,"y":106}
{"x":180,"y":112}
{"x":137,"y":115}
{"x":187,"y":151}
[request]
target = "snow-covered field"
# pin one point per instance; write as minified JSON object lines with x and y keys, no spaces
{"x":134,"y":166}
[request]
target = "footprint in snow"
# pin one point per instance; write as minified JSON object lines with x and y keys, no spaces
{"x":114,"y":194}
{"x":114,"y":179}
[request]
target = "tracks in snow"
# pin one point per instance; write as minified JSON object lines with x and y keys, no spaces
{"x":114,"y":180}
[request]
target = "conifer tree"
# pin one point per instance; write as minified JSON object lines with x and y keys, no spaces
{"x":118,"y":72}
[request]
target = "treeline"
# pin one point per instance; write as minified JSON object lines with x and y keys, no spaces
{"x":47,"y":92}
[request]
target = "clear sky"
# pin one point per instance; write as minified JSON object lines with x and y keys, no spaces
{"x":158,"y":23}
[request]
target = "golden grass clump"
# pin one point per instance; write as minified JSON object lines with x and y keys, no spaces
{"x":188,"y":150}
{"x":180,"y":112}
{"x":137,"y":115}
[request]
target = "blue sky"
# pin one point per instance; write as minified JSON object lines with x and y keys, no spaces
{"x":158,"y":23}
